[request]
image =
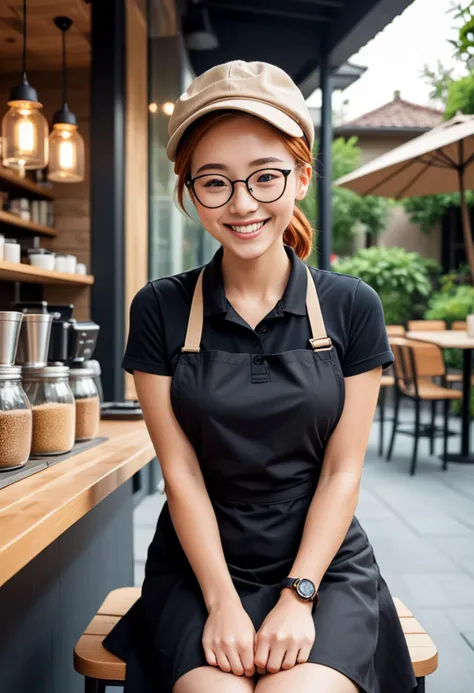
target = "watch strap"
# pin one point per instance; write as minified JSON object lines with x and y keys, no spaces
{"x":290,"y":582}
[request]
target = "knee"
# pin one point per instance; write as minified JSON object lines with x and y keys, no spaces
{"x":212,"y":680}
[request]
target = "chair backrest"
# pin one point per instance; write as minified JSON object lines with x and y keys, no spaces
{"x":427,"y":359}
{"x":397,"y":344}
{"x":415,"y":360}
{"x":395,"y":330}
{"x":459,"y":325}
{"x":426,"y":325}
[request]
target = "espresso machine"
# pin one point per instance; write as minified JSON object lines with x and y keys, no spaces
{"x":71,"y":342}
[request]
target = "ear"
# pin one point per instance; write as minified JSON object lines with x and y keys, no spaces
{"x":303,"y":173}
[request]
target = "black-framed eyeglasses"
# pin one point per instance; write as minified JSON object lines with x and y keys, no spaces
{"x":214,"y":190}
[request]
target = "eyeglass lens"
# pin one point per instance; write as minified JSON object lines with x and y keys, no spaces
{"x":214,"y":190}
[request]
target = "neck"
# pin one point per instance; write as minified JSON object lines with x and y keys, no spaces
{"x":262,"y":279}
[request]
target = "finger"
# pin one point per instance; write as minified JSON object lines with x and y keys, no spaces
{"x":223,"y":662}
{"x":236,"y":665}
{"x":261,"y":654}
{"x":210,"y":657}
{"x":303,"y":655}
{"x":247,"y":659}
{"x":275,"y":659}
{"x":289,"y":659}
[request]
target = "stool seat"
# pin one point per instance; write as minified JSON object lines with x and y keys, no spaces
{"x":92,"y":660}
{"x":90,"y":657}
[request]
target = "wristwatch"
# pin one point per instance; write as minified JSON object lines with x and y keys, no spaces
{"x":303,"y":587}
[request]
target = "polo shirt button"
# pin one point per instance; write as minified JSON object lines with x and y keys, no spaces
{"x":255,"y":343}
{"x":264,"y":329}
{"x":257,"y":359}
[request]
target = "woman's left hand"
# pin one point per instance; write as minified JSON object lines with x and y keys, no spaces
{"x":286,"y":635}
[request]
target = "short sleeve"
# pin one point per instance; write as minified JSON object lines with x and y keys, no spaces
{"x":145,"y":350}
{"x":367,"y":344}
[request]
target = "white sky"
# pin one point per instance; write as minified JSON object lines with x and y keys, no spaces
{"x":395,"y":58}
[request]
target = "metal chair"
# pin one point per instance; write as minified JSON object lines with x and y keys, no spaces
{"x":416,"y":364}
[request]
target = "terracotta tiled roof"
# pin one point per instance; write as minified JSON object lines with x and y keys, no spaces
{"x":397,"y":114}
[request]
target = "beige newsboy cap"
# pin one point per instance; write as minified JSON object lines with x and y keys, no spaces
{"x":258,"y":88}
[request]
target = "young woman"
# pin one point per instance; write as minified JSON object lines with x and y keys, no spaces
{"x":258,"y":378}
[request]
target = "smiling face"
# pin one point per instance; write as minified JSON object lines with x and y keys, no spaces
{"x":237,"y":148}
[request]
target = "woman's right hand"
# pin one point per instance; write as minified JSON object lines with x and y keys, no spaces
{"x":229,"y":639}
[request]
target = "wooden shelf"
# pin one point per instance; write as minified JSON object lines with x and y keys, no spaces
{"x":20,"y":272}
{"x":11,"y":183}
{"x":8,"y":219}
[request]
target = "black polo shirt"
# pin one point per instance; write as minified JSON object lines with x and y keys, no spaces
{"x":351,"y":309}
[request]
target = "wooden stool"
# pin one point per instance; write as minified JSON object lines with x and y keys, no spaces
{"x":101,"y":668}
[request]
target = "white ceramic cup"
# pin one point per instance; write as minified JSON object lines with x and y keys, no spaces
{"x":45,"y":261}
{"x":81,"y":268}
{"x":12,"y":252}
{"x":71,"y":262}
{"x":60,"y":263}
{"x":470,"y":325}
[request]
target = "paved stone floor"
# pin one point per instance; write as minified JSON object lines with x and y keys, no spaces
{"x":422,"y":531}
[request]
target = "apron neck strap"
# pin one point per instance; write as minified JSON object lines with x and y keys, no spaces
{"x":319,"y":341}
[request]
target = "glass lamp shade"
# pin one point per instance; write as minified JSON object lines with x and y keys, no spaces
{"x":66,"y":154}
{"x":25,"y":136}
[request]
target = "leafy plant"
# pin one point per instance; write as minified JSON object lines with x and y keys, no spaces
{"x":351,"y":213}
{"x":460,"y":96}
{"x":401,"y":279}
{"x":429,"y":209}
{"x":452,"y":302}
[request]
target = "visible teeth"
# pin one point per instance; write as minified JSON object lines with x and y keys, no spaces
{"x":251,"y":228}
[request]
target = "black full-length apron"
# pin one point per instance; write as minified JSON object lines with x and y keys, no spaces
{"x":259,"y":426}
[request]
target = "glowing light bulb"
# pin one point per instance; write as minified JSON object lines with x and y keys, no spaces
{"x":26,"y":135}
{"x":168,"y":108}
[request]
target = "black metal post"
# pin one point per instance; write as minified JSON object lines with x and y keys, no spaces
{"x":466,"y":403}
{"x":324,"y":168}
{"x":107,"y":165}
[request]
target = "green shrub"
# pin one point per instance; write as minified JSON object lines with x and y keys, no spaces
{"x":401,"y":279}
{"x":452,"y":302}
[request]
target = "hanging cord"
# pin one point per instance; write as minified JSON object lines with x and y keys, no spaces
{"x":64,"y":69}
{"x":24,"y":41}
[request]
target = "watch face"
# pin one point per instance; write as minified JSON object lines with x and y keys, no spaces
{"x":306,"y":589}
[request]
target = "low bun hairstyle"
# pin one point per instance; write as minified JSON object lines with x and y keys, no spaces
{"x":298,"y":234}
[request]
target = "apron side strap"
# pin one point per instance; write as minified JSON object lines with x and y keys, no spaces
{"x":319,"y":341}
{"x":196,"y":315}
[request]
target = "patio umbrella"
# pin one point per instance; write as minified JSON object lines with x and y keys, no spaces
{"x":439,"y":161}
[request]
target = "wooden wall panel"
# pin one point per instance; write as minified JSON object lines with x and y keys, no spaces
{"x":136,"y":158}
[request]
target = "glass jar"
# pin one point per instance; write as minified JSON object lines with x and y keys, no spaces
{"x":87,"y":402}
{"x":53,"y":407}
{"x":16,"y":421}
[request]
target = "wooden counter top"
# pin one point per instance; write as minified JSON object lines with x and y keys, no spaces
{"x":38,"y":509}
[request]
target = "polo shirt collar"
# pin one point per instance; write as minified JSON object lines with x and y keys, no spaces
{"x":292,"y":301}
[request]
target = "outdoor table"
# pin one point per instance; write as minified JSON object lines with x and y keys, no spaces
{"x":456,"y":339}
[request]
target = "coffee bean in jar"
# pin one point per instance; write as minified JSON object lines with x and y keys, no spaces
{"x":87,"y":402}
{"x":15,"y":419}
{"x":53,"y":408}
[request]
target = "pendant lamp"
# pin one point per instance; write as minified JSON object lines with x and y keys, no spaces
{"x":66,"y":146}
{"x":24,"y":127}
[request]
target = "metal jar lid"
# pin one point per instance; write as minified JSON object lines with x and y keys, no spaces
{"x":10,"y":372}
{"x":79,"y":373}
{"x":44,"y":372}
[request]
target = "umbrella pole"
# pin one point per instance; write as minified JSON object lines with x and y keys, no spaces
{"x":466,"y":224}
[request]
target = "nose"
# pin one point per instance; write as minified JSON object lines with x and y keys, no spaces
{"x":242,"y":201}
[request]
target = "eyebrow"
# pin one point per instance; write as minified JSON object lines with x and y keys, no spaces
{"x":255,"y":162}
